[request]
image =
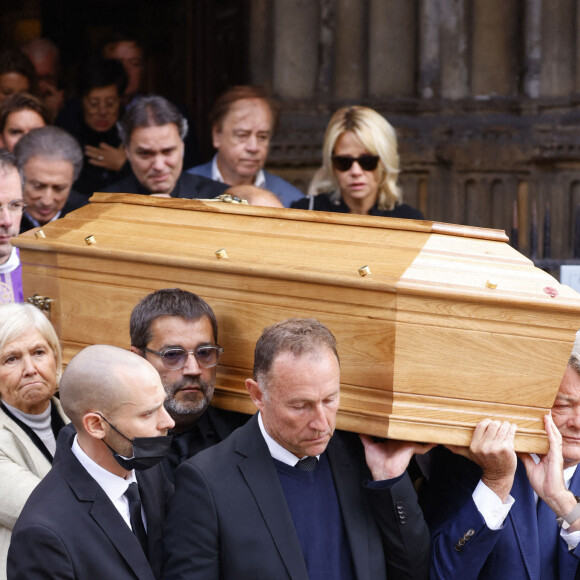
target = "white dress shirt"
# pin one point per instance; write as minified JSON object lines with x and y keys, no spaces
{"x":113,"y":485}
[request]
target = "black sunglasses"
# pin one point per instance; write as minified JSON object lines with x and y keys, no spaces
{"x":344,"y":162}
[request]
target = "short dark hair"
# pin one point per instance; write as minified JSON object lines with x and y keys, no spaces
{"x":13,"y":60}
{"x":51,"y":143}
{"x":150,"y":111}
{"x":167,"y":302}
{"x":102,"y":72}
{"x":226,"y":100}
{"x":22,"y":102}
{"x":296,"y":335}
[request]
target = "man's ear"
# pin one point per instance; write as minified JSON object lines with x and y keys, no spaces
{"x":216,"y":136}
{"x":255,"y":393}
{"x":136,"y":350}
{"x":93,"y":425}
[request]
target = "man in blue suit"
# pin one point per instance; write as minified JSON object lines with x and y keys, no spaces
{"x":243,"y":121}
{"x":495,"y":516}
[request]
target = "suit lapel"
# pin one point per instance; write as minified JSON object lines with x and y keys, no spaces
{"x":524,"y":521}
{"x":352,"y":505}
{"x":102,"y":510}
{"x":259,"y":472}
{"x":110,"y":521}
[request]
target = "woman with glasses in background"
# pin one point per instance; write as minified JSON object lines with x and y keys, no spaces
{"x":93,"y":121}
{"x":360,"y":168}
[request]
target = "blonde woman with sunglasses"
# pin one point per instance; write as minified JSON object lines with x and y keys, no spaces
{"x":360,"y":168}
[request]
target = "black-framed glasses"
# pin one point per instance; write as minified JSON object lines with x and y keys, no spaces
{"x":174,"y":358}
{"x":344,"y":162}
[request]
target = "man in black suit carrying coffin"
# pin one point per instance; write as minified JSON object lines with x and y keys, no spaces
{"x":285,"y":496}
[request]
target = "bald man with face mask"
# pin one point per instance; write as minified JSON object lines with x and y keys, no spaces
{"x":100,"y":510}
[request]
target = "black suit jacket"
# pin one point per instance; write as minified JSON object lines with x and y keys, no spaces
{"x":229,"y":518}
{"x":70,"y":529}
{"x":212,"y":427}
{"x":188,"y":186}
{"x":74,"y":201}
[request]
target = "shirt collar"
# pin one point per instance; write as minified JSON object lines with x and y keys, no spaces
{"x":259,"y":181}
{"x":12,"y":263}
{"x":113,"y":485}
{"x":36,"y":223}
{"x":276,"y":450}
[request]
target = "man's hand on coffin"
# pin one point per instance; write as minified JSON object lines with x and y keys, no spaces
{"x":388,"y":458}
{"x":546,"y":476}
{"x":492,"y":448}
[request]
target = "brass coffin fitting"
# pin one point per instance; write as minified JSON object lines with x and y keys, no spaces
{"x":364,"y":271}
{"x":42,"y":302}
{"x":40,"y":234}
{"x":90,"y":240}
{"x":221,"y":253}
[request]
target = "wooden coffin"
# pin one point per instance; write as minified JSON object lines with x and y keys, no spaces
{"x":448,"y":324}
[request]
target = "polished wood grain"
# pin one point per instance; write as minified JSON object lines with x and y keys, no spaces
{"x":450,"y":326}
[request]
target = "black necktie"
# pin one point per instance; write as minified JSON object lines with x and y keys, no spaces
{"x":307,"y":464}
{"x":132,"y":494}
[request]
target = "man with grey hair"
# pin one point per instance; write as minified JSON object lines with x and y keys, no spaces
{"x":50,"y":160}
{"x":152,"y":132}
{"x":11,"y":208}
{"x":287,"y":496}
{"x":100,"y":510}
{"x":494,"y":514}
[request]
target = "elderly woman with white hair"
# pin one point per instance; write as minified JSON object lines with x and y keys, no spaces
{"x":360,"y":168}
{"x":30,"y":415}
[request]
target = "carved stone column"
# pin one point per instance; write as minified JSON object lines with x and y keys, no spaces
{"x":392,"y":57}
{"x":350,"y":62}
{"x":453,"y":49}
{"x":296,"y":32}
{"x":493,"y":70}
{"x":532,"y":48}
{"x":260,"y":42}
{"x":428,"y":49}
{"x":557,"y":75}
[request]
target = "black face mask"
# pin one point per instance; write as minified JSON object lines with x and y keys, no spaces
{"x":147,"y":451}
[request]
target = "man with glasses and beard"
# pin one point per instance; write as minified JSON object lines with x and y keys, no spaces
{"x":176,"y":331}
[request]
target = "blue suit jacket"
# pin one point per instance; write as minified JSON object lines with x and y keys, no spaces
{"x":510,"y":553}
{"x":285,"y":191}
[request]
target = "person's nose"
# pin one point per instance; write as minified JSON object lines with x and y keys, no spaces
{"x":28,"y":367}
{"x":356,"y":169}
{"x":5,"y":217}
{"x":574,"y":420}
{"x":102,"y":109}
{"x":319,"y":421}
{"x":252,"y":143}
{"x":191,"y":366}
{"x":165,"y":421}
{"x":158,"y":163}
{"x":46,"y":198}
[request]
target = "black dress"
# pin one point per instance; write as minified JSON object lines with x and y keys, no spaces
{"x":322,"y":202}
